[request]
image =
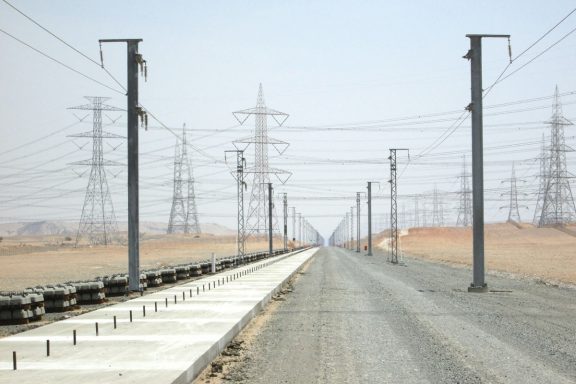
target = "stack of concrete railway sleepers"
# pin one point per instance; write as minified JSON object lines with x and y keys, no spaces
{"x":57,"y":298}
{"x":21,"y":308}
{"x":182,"y":272}
{"x":153,"y":278}
{"x":195,"y":270}
{"x":168,"y":275}
{"x":206,"y":267}
{"x":226,"y":263}
{"x":90,"y":292}
{"x":115,"y":285}
{"x":143,"y":282}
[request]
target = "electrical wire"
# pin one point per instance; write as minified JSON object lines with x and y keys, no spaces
{"x":61,"y":63}
{"x":101,"y":65}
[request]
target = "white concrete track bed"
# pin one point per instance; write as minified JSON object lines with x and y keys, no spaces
{"x":171,"y":345}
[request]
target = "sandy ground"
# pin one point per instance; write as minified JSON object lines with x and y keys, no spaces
{"x":47,"y":263}
{"x":542,"y":253}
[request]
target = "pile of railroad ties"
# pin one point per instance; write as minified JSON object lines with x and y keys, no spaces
{"x":33,"y":303}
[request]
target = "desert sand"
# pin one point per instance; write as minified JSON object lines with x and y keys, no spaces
{"x":546,"y":254}
{"x":27,"y":262}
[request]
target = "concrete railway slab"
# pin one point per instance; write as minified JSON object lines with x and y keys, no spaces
{"x":165,"y":337}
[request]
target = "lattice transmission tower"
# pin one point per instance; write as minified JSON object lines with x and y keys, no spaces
{"x":184,"y":213}
{"x":98,"y":221}
{"x":513,"y":206}
{"x":437,"y":209}
{"x":556,"y":198}
{"x":543,"y":178}
{"x":465,"y":198}
{"x":257,"y":214}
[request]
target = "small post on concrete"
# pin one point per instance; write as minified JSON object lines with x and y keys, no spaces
{"x":14,"y":365}
{"x":114,"y":321}
{"x":155,"y":306}
{"x":47,"y":347}
{"x":96,"y":327}
{"x":143,"y":311}
{"x":130,"y":315}
{"x":74,"y":337}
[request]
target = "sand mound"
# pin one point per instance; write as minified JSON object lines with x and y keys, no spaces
{"x":546,"y":253}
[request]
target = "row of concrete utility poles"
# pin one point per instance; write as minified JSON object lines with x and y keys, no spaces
{"x":343,"y":235}
{"x":307,"y":234}
{"x":134,"y":111}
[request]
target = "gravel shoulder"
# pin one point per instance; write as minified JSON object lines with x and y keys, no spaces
{"x":357,"y":319}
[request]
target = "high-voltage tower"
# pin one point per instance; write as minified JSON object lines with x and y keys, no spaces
{"x":98,"y":221}
{"x":542,"y":177}
{"x":513,"y":206}
{"x":184,"y":214}
{"x":437,"y":209}
{"x":465,"y":207}
{"x":556,"y":197}
{"x":393,"y":206}
{"x":257,"y":216}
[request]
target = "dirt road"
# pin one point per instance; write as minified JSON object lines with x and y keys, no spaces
{"x":356,"y":319}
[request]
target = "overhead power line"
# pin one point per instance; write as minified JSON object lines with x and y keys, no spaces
{"x":60,"y":62}
{"x":67,"y":44}
{"x":500,"y":77}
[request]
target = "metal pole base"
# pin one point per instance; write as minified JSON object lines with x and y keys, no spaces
{"x":478,"y":289}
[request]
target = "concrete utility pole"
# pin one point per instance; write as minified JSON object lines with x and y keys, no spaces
{"x":352,"y":228}
{"x":285,"y":201}
{"x":299,"y":229}
{"x":270,"y":206}
{"x":294,"y":225}
{"x":358,"y":222}
{"x":475,"y":57}
{"x":134,"y":110}
{"x":347,"y":230}
{"x":370,"y":217}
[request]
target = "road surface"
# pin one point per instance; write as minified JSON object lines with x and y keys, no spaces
{"x":357,"y":319}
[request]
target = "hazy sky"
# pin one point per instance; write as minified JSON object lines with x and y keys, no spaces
{"x":347,"y":72}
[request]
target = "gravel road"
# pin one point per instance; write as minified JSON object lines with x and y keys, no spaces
{"x":357,"y":319}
